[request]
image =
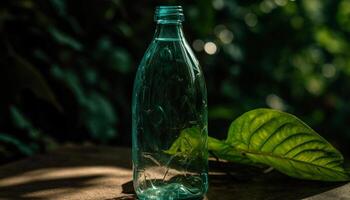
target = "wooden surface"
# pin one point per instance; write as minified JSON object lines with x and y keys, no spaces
{"x":104,"y":173}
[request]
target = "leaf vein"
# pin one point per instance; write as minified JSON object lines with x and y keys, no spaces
{"x":289,"y":159}
{"x":271,"y":135}
{"x":309,"y":150}
{"x":290,"y":137}
{"x":301,"y":144}
{"x":259,"y":128}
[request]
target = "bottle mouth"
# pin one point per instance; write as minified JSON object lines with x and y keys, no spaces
{"x":169,"y":14}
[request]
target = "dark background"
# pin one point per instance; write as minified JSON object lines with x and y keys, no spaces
{"x":67,"y":67}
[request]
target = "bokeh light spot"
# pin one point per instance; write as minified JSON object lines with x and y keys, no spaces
{"x":281,"y":2}
{"x":218,"y":4}
{"x":210,"y":48}
{"x":198,"y":45}
{"x":219,"y":28}
{"x":314,"y":86}
{"x":275,"y":102}
{"x":251,"y":19}
{"x":226,"y":36}
{"x":267,"y":5}
{"x":328,"y":70}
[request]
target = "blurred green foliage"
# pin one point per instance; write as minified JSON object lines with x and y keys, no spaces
{"x":67,"y":67}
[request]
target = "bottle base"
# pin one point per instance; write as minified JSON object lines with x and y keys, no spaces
{"x":172,"y":191}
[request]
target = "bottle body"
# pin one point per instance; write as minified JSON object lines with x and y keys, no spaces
{"x":169,"y":98}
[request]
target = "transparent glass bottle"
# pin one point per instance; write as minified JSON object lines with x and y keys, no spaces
{"x":169,"y":98}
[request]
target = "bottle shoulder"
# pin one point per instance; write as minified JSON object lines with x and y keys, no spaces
{"x":169,"y":62}
{"x":169,"y":53}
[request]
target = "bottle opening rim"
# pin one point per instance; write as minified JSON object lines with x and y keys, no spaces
{"x":169,"y":14}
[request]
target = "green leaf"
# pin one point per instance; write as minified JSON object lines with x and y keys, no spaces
{"x":65,"y":39}
{"x":23,"y":148}
{"x":20,"y":121}
{"x":188,"y":142}
{"x":21,"y":74}
{"x":266,"y":137}
{"x":29,"y":77}
{"x":219,"y":149}
{"x":287,"y":144}
{"x":188,"y":147}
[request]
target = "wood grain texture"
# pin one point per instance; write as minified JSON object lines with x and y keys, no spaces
{"x":104,"y":173}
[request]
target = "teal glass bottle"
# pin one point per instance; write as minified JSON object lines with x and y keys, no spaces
{"x":169,"y":100}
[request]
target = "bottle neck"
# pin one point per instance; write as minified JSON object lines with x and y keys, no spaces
{"x":169,"y":32}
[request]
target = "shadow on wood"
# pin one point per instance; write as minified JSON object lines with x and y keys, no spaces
{"x":19,"y":191}
{"x":89,"y":173}
{"x":235,"y":181}
{"x":104,"y":173}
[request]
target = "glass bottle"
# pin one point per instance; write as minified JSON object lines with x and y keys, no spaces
{"x":169,"y":100}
